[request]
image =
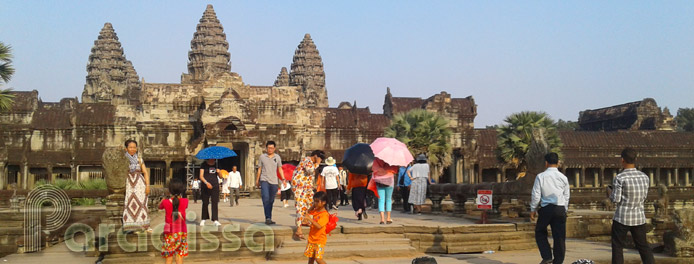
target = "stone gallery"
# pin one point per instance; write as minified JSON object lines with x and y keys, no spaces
{"x":213,"y":106}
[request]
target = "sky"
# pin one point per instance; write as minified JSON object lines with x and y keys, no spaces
{"x":560,"y":57}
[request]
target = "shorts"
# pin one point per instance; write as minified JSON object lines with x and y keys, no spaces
{"x":314,"y":251}
{"x":175,"y":244}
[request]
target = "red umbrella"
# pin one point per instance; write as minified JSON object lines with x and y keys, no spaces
{"x":288,"y":170}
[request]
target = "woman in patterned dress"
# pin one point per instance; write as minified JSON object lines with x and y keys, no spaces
{"x":302,"y":184}
{"x":135,"y":213}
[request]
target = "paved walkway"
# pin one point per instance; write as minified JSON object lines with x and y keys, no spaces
{"x":251,"y":211}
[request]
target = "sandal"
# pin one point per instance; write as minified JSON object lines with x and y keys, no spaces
{"x":381,"y":223}
{"x":389,"y":222}
{"x":298,"y":237}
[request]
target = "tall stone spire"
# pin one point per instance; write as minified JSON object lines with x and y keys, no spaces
{"x":282,"y":78}
{"x":307,"y":72}
{"x":110,"y":76}
{"x":209,"y":49}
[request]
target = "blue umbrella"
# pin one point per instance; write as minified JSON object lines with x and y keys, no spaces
{"x":215,"y":153}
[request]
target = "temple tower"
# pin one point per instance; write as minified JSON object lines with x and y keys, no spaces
{"x":282,"y":78}
{"x":110,"y":76}
{"x":209,"y":49}
{"x":307,"y":72}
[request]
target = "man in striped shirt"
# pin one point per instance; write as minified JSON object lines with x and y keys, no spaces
{"x":629,"y":192}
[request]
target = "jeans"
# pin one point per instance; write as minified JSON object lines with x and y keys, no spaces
{"x":619,"y":237}
{"x":554,"y":216}
{"x":385,"y":195}
{"x":268,"y":192}
{"x":207,"y":195}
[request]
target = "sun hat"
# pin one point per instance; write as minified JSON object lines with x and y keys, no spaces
{"x":330,"y":161}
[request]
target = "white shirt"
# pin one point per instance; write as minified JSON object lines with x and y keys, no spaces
{"x":551,"y":187}
{"x":285,"y":186}
{"x":234,"y":179}
{"x":330,"y":173}
{"x":196,"y":184}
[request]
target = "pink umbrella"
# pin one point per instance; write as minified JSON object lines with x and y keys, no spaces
{"x":392,"y":151}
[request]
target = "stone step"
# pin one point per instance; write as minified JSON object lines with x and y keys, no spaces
{"x":339,"y":252}
{"x":368,"y":242}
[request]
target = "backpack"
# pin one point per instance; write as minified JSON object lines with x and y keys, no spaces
{"x":332,"y":223}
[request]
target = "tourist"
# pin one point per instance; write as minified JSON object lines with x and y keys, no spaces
{"x":235,"y":184}
{"x":628,"y":192}
{"x":225,"y":181}
{"x":269,"y":163}
{"x":195,"y":185}
{"x":343,"y":186}
{"x":302,"y":182}
{"x":551,"y":193}
{"x":210,"y":191}
{"x":403,"y":186}
{"x":356,"y":184}
{"x":420,"y":175}
{"x":175,"y":244}
{"x":285,"y":193}
{"x":317,"y":218}
{"x":135,"y":213}
{"x":330,"y":174}
{"x":383,"y":176}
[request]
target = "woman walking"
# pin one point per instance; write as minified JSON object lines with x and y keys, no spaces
{"x":383,"y":176}
{"x":419,"y":174}
{"x":357,"y":185}
{"x":135,"y":213}
{"x":302,"y":184}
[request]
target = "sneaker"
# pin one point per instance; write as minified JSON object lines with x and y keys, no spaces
{"x":286,"y":205}
{"x":216,"y":223}
{"x":202,"y":223}
{"x":269,"y":222}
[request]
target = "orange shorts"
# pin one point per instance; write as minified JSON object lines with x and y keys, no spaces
{"x":314,"y":251}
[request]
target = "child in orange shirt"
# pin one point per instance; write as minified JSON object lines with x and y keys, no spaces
{"x":317,"y":237}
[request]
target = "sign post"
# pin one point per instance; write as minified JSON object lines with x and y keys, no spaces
{"x":484,"y":202}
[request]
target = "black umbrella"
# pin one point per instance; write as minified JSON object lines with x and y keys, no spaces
{"x":358,"y":159}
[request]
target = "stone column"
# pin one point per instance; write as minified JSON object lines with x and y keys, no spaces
{"x":614,"y":175}
{"x":498,"y":175}
{"x":686,"y":177}
{"x":669,"y":177}
{"x":577,"y":179}
{"x":657,"y":175}
{"x":583,"y":177}
{"x":503,"y":174}
{"x":650,"y":175}
{"x":602,"y":176}
{"x":25,"y":176}
{"x":677,"y":177}
{"x":168,"y":171}
{"x":50,"y":173}
{"x":596,"y":179}
{"x":3,"y":175}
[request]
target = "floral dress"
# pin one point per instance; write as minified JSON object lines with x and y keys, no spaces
{"x":302,"y":184}
{"x":135,"y":211}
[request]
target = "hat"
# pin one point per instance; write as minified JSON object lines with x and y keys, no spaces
{"x":421,"y":157}
{"x":330,"y":161}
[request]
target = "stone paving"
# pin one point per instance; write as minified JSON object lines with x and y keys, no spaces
{"x":250,"y":211}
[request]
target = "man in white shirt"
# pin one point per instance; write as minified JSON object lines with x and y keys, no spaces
{"x":551,"y":193}
{"x":234,"y":185}
{"x":332,"y":188}
{"x":195,"y":185}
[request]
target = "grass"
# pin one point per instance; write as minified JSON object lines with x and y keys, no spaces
{"x":91,"y":184}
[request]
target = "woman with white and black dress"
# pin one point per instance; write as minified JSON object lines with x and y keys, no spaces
{"x":419,"y":174}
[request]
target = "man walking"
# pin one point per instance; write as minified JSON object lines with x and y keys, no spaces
{"x":628,"y":192}
{"x":210,"y":191}
{"x":195,"y":185}
{"x":235,"y":183}
{"x":551,"y":192}
{"x":343,"y":185}
{"x":267,"y":179}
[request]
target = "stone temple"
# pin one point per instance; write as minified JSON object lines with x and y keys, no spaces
{"x":212,"y":105}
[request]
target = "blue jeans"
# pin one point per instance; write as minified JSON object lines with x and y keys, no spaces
{"x":384,"y":197}
{"x":268,"y":192}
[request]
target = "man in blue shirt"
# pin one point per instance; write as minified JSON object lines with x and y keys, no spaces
{"x":403,"y":185}
{"x":551,"y":193}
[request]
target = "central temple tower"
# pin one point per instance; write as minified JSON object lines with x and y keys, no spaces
{"x":209,"y":49}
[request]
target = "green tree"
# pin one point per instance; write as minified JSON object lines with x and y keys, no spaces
{"x":685,"y":119}
{"x":515,"y":136}
{"x":567,"y":125}
{"x":424,"y":132}
{"x":6,"y":72}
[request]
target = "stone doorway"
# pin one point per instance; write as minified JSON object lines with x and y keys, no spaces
{"x":241,"y":149}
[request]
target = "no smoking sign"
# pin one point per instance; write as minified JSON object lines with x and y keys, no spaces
{"x":484,"y":199}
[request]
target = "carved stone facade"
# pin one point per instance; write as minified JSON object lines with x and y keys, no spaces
{"x":209,"y":49}
{"x":307,"y":72}
{"x":639,"y":115}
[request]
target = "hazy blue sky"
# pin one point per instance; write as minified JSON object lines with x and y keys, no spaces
{"x":555,"y":56}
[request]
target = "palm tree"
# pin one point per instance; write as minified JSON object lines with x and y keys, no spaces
{"x":685,"y":119}
{"x":424,"y":132}
{"x":514,"y":137}
{"x":6,"y":71}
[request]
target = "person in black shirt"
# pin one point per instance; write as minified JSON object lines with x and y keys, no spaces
{"x":210,"y":191}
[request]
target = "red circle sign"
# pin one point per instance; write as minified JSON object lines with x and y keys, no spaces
{"x":484,"y":199}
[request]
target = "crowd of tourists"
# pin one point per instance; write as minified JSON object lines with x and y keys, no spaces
{"x":318,"y":189}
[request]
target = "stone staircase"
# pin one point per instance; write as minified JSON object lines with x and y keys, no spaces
{"x":339,"y":246}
